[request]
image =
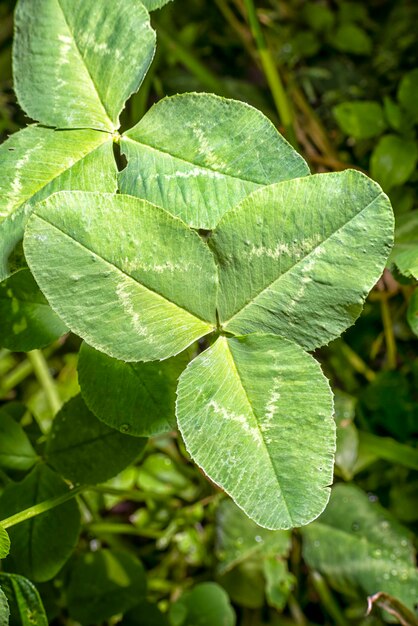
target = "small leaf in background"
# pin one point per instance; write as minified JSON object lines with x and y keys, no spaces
{"x":361,"y":120}
{"x":25,"y":604}
{"x":4,"y":609}
{"x":347,"y":436}
{"x":405,"y":250}
{"x":16,"y":451}
{"x":280,"y":582}
{"x":393,"y":161}
{"x":207,"y":604}
{"x":128,"y":286}
{"x":394,"y":114}
{"x":27,"y":320}
{"x":103,"y":584}
{"x":412,"y":314}
{"x":37,"y":162}
{"x":239,"y":538}
{"x":357,"y":543}
{"x":283,"y":262}
{"x":161,"y":476}
{"x":42,"y":544}
{"x":351,"y":38}
{"x":72,"y":67}
{"x":84,"y":450}
{"x":408,"y":93}
{"x":246,"y":583}
{"x":318,"y":16}
{"x":135,"y":398}
{"x":198,"y":155}
{"x":4,"y":543}
{"x":145,"y":614}
{"x":255,"y":414}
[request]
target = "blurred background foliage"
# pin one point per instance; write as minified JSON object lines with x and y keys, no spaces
{"x":340,"y":80}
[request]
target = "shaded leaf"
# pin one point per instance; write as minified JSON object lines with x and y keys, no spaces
{"x":255,"y":413}
{"x":76,"y":62}
{"x":16,"y":451}
{"x":25,"y":604}
{"x":362,"y":120}
{"x":357,"y":544}
{"x":238,"y":538}
{"x":145,"y":614}
{"x":84,"y":450}
{"x":396,"y":609}
{"x":135,"y":398}
{"x":393,"y":160}
{"x":412,"y":313}
{"x":129,"y":285}
{"x":408,"y":93}
{"x":299,"y":258}
{"x":206,"y":604}
{"x":103,"y":584}
{"x":280,"y":582}
{"x":4,"y":609}
{"x":36,"y":162}
{"x":198,"y":155}
{"x":27,"y":320}
{"x":42,"y":544}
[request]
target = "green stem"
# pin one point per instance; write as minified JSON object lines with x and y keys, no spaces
{"x":272,"y":75}
{"x":328,"y":600}
{"x":130,"y":494}
{"x":388,"y":332}
{"x":357,"y":362}
{"x":39,"y":508}
{"x":41,"y":369}
{"x":104,"y":528}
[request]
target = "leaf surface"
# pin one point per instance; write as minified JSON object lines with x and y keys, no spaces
{"x":4,"y":543}
{"x":255,"y":413}
{"x":27,"y":320}
{"x":207,"y":604}
{"x":42,"y":544}
{"x":84,"y":450}
{"x":356,"y":543}
{"x":135,"y":398}
{"x":16,"y":451}
{"x":25,"y":603}
{"x":4,"y":609}
{"x":198,"y":155}
{"x":151,"y":5}
{"x":129,"y":284}
{"x":103,"y":584}
{"x":36,"y":162}
{"x":76,"y":62}
{"x":298,"y":259}
{"x":405,"y":250}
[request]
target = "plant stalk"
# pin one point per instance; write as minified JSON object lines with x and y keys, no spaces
{"x":328,"y":600}
{"x":42,"y":373}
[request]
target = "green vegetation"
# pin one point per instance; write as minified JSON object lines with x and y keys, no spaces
{"x":177,"y":268}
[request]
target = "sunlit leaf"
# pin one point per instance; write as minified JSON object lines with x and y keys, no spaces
{"x":76,"y":62}
{"x":128,"y":286}
{"x":197,"y":155}
{"x":255,"y":413}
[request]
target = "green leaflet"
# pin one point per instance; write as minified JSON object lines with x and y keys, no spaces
{"x":207,"y":604}
{"x":412,"y":313}
{"x":405,"y":250}
{"x":4,"y":609}
{"x":393,"y":161}
{"x":27,"y":320}
{"x":16,"y":451}
{"x":42,"y":544}
{"x":298,"y":259}
{"x":36,"y":162}
{"x":103,"y":584}
{"x":360,"y":119}
{"x":356,"y":543}
{"x":76,"y":62}
{"x":128,"y":286}
{"x":135,"y":398}
{"x":197,"y":155}
{"x":238,"y":538}
{"x":84,"y":450}
{"x":25,"y":603}
{"x":145,"y":614}
{"x":4,"y":543}
{"x":255,"y":413}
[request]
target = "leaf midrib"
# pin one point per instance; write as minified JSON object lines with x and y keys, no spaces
{"x":117,"y":268}
{"x":112,"y":128}
{"x":188,"y":162}
{"x":234,"y":368}
{"x":299,"y":261}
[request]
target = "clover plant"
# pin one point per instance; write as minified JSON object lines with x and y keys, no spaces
{"x":200,"y":276}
